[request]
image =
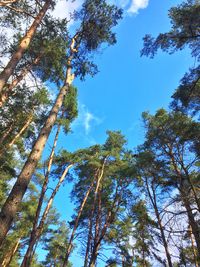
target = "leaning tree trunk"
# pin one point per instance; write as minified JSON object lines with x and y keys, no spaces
{"x":4,"y":3}
{"x":23,"y":46}
{"x":9,"y":89}
{"x":14,"y":199}
{"x":29,"y":253}
{"x":32,"y":239}
{"x":22,"y":130}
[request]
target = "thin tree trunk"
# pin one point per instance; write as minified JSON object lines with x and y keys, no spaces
{"x":8,"y":91}
{"x":92,"y":213}
{"x":9,"y":130}
{"x":24,"y":44}
{"x":76,"y":223}
{"x":107,"y":223}
{"x":25,"y":126}
{"x":28,"y":256}
{"x":11,"y":253}
{"x":41,"y":199}
{"x":154,"y":203}
{"x":193,"y":246}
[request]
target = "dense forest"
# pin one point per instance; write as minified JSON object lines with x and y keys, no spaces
{"x":133,"y":206}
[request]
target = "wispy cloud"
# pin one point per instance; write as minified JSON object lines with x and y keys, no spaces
{"x":86,"y":120}
{"x":138,"y":4}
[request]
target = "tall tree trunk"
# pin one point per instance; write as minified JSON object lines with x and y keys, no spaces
{"x":108,"y":220}
{"x":11,"y":253}
{"x":14,"y":199}
{"x":154,"y":204}
{"x":37,"y":233}
{"x":89,"y":239}
{"x":76,"y":223}
{"x":92,"y":213}
{"x":32,"y":240}
{"x":24,"y":44}
{"x":8,"y":91}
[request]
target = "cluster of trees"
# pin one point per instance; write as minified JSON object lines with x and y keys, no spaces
{"x":141,"y":206}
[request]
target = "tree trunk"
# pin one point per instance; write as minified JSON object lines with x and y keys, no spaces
{"x":193,"y":247}
{"x":13,"y":201}
{"x":28,"y":256}
{"x":4,"y":136}
{"x":24,"y":44}
{"x":92,"y":213}
{"x":76,"y":223}
{"x":7,"y":2}
{"x":8,"y":91}
{"x":194,"y":225}
{"x":11,"y":253}
{"x":25,"y":126}
{"x":154,"y":204}
{"x":41,"y":199}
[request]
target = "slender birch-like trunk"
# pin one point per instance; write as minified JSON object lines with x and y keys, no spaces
{"x":23,"y":46}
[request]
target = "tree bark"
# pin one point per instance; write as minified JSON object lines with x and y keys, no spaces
{"x":37,"y":233}
{"x":23,"y":46}
{"x":8,"y":91}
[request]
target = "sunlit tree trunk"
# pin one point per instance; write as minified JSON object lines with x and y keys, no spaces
{"x":24,"y":44}
{"x":9,"y":88}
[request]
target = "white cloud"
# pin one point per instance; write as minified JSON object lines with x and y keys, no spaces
{"x":64,"y":8}
{"x":86,"y":120}
{"x":138,"y":4}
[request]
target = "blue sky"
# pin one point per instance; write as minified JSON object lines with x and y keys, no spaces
{"x":126,"y":86}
